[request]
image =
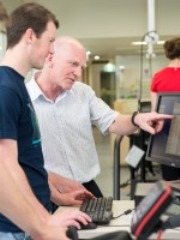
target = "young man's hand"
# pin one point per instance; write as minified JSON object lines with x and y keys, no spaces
{"x":69,"y":217}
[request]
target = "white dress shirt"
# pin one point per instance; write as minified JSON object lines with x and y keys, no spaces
{"x":66,"y":129}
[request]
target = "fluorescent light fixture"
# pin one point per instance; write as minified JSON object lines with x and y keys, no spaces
{"x":160,"y":42}
{"x":96,"y":57}
{"x":145,"y":43}
{"x":139,"y":43}
{"x":109,"y":67}
{"x":121,"y":67}
{"x":88,"y":52}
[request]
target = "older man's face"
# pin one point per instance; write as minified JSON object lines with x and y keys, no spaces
{"x":68,"y":67}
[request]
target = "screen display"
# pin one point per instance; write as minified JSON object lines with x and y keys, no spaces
{"x":164,"y":147}
{"x":148,"y":212}
{"x":147,"y":203}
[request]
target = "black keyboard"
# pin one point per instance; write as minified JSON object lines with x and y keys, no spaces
{"x":99,"y":209}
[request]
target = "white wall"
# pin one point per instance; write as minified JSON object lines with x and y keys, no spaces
{"x":113,"y":18}
{"x":109,"y":18}
{"x":11,"y":4}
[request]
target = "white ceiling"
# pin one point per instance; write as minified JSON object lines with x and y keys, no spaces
{"x":108,"y":27}
{"x":110,"y":47}
{"x":101,"y":40}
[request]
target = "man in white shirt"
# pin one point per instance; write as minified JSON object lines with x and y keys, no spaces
{"x":66,"y":111}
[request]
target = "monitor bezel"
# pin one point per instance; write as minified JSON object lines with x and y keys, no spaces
{"x":164,"y":160}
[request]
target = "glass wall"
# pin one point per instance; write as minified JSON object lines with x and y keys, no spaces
{"x":133,"y":75}
{"x":131,"y":79}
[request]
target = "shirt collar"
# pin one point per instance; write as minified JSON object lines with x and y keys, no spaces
{"x":35,"y":91}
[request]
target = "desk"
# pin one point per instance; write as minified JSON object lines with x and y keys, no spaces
{"x":121,"y":223}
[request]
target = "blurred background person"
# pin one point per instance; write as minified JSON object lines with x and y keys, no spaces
{"x":168,"y":80}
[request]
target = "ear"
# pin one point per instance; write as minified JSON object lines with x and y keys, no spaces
{"x":29,"y":35}
{"x":49,"y":60}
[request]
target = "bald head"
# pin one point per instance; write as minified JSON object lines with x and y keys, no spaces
{"x":63,"y":43}
{"x":65,"y":66}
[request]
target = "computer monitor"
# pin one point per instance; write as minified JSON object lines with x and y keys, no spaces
{"x":164,"y":147}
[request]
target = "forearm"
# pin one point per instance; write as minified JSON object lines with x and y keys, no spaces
{"x":18,"y":203}
{"x":53,"y":177}
{"x":64,"y":184}
{"x":9,"y":158}
{"x":14,"y":205}
{"x":122,"y":125}
{"x":20,"y":179}
{"x":55,"y":194}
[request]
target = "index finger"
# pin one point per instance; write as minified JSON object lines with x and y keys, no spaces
{"x":163,"y":116}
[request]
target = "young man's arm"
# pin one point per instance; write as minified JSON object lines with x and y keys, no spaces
{"x":19,"y":198}
{"x":14,"y":206}
{"x":8,"y":155}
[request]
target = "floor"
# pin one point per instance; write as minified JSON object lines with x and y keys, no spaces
{"x":105,"y":178}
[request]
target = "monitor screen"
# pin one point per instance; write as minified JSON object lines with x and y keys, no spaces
{"x":164,"y":147}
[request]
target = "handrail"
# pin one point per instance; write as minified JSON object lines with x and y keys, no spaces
{"x":116,"y":175}
{"x":117,"y":165}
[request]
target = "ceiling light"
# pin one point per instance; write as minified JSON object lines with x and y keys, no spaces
{"x":145,"y":43}
{"x":121,"y":67}
{"x":139,"y":43}
{"x":109,"y":67}
{"x":88,"y":53}
{"x":96,"y":57}
{"x":160,"y":42}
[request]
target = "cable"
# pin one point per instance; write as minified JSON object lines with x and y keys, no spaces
{"x":124,"y":213}
{"x":125,"y":184}
{"x":159,"y":235}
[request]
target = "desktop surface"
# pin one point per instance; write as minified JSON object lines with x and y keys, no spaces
{"x":118,"y":208}
{"x":124,"y":221}
{"x":120,"y":224}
